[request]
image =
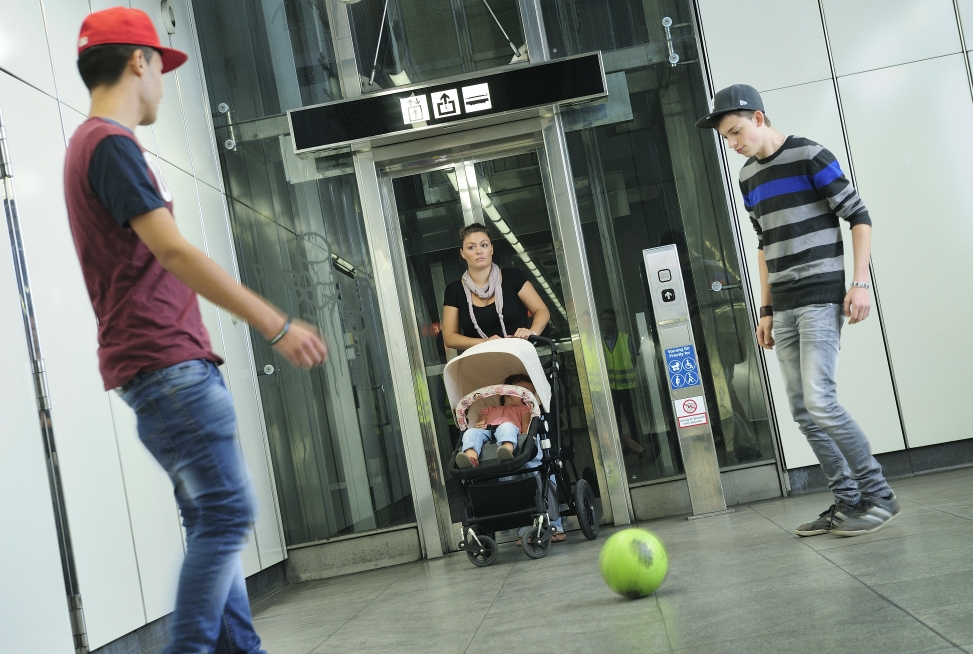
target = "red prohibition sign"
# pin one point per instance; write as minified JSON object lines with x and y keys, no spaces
{"x":689,"y":406}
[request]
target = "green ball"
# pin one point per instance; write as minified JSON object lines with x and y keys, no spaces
{"x":633,"y":563}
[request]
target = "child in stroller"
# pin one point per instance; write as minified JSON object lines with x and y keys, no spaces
{"x":510,"y":419}
{"x":529,"y":483}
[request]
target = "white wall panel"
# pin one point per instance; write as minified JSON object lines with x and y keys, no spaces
{"x":240,"y":374}
{"x":811,"y":111}
{"x":870,"y":34}
{"x":23,"y":44}
{"x":33,"y":604}
{"x":768,"y":45}
{"x":71,"y":119}
{"x":88,"y":454}
{"x":966,"y":21}
{"x":913,"y":161}
{"x":156,"y":530}
{"x":64,"y":18}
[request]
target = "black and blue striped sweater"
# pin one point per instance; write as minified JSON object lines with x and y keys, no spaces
{"x":795,"y":198}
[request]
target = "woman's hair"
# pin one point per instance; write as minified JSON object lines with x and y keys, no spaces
{"x":475,"y":228}
{"x":511,"y":381}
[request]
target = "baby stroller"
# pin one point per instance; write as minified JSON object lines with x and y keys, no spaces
{"x":502,"y":495}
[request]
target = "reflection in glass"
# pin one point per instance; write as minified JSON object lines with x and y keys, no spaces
{"x":335,"y":441}
{"x":411,"y":42}
{"x":577,"y":26}
{"x":263,"y":57}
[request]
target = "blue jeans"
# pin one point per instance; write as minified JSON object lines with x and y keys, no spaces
{"x":186,"y":420}
{"x":807,"y":344}
{"x":474,"y":438}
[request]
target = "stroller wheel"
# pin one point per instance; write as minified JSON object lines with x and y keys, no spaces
{"x":483,"y":555}
{"x":537,"y":547}
{"x":587,"y":509}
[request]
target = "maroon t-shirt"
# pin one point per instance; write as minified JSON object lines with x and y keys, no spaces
{"x":147,"y":318}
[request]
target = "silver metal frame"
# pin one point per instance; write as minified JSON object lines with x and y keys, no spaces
{"x":421,"y":468}
{"x":380,"y":166}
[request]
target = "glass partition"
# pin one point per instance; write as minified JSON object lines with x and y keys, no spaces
{"x":334,"y":434}
{"x":645,"y":176}
{"x":263,"y":57}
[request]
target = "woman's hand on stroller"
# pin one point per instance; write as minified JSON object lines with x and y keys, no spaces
{"x":522,"y":332}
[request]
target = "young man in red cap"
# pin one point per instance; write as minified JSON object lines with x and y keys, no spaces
{"x":142,"y":277}
{"x":795,"y":193}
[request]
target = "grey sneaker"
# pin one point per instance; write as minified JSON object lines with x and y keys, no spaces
{"x":827,"y":521}
{"x":871,"y":515}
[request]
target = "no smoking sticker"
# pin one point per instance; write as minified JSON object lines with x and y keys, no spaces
{"x":690,"y":411}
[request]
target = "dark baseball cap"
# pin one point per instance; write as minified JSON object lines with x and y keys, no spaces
{"x":733,"y":98}
{"x":126,"y":26}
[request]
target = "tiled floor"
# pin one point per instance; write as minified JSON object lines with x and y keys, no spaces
{"x":737,"y":583}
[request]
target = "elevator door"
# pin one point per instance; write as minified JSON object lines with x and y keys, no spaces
{"x":507,"y":194}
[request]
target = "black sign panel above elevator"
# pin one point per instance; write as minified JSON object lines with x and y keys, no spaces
{"x":406,"y":110}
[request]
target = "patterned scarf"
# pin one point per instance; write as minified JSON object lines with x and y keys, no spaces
{"x":492,"y":289}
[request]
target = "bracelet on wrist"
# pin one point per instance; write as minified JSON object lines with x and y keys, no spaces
{"x":864,"y":285}
{"x":766,"y":310}
{"x":283,"y":332}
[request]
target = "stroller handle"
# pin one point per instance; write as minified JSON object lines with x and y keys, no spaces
{"x":536,"y":340}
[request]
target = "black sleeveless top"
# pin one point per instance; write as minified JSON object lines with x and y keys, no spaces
{"x":514,"y":311}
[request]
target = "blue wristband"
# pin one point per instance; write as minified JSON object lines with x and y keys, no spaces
{"x":283,"y":332}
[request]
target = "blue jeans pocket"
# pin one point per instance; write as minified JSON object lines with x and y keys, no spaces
{"x":187,"y":374}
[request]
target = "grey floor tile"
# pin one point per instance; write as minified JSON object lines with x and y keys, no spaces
{"x":930,"y":592}
{"x":699,"y":618}
{"x":900,"y":559}
{"x":888,"y":631}
{"x":953,"y":622}
{"x":741,"y":582}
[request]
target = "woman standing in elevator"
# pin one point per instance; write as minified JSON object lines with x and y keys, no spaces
{"x":489,"y":302}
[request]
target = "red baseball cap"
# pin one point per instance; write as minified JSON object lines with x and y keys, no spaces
{"x":126,"y":26}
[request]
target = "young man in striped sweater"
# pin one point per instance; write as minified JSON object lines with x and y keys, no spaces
{"x":795,"y":193}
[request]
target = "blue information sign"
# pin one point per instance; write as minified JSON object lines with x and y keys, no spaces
{"x":682,"y":366}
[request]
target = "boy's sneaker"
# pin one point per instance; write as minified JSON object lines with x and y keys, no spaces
{"x":871,"y":515}
{"x":827,"y":521}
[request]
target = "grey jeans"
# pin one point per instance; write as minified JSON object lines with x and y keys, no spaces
{"x":807,"y":344}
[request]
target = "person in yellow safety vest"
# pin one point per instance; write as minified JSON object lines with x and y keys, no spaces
{"x":620,"y":355}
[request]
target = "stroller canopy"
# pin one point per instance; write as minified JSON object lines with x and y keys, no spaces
{"x":492,"y":362}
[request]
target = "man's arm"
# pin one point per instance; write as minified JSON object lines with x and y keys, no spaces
{"x":301,"y":346}
{"x":765,"y":327}
{"x":858,"y":301}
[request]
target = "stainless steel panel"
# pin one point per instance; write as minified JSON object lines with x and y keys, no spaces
{"x":588,"y":350}
{"x":672,"y":322}
{"x":422,"y":465}
{"x":344,"y":49}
